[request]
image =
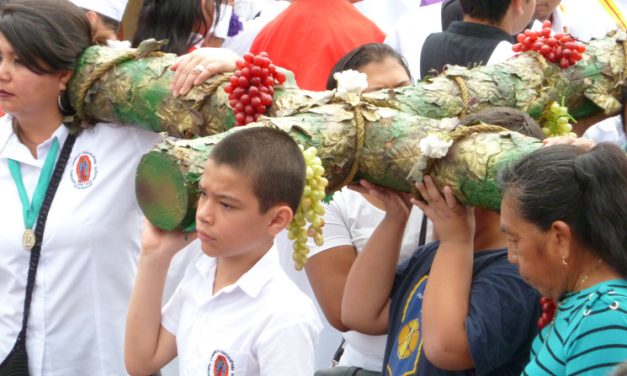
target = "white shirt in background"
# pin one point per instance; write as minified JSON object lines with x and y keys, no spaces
{"x":261,"y":325}
{"x":608,"y":130}
{"x":587,"y":19}
{"x":410,"y":31}
{"x":385,"y":13}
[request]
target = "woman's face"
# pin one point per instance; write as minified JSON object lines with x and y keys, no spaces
{"x":23,"y":92}
{"x":533,"y":250}
{"x":385,"y":74}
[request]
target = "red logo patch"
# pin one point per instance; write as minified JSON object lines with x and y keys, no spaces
{"x":83,"y":169}
{"x":220,"y":366}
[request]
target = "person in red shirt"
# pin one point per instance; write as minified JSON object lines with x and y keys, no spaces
{"x":310,"y":36}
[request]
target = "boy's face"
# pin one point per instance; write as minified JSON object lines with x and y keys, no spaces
{"x":228,"y":220}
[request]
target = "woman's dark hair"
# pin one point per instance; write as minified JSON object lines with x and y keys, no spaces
{"x":47,"y":36}
{"x":585,"y":189}
{"x":363,"y":55}
{"x":506,"y":117}
{"x":174,"y":20}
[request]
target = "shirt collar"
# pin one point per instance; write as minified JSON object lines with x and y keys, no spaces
{"x":11,"y":147}
{"x":250,"y":282}
{"x":479,"y":30}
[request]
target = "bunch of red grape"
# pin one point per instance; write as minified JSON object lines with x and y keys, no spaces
{"x":560,"y":48}
{"x":251,"y":88}
{"x":548,"y":311}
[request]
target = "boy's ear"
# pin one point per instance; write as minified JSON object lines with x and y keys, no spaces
{"x":280,"y":217}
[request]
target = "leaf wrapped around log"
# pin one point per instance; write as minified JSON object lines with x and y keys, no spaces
{"x":390,"y":155}
{"x":133,"y":87}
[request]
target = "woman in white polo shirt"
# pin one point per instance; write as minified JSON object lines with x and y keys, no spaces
{"x":89,"y":249}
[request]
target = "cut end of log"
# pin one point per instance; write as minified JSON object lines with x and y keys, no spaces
{"x":162,"y":192}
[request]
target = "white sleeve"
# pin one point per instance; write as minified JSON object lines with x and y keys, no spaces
{"x":336,"y":230}
{"x":171,"y":312}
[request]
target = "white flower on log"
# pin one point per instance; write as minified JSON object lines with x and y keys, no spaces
{"x":433,"y":146}
{"x":448,"y":124}
{"x":350,"y":81}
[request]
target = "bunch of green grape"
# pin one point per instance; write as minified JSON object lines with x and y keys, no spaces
{"x":557,"y":121}
{"x":310,"y":210}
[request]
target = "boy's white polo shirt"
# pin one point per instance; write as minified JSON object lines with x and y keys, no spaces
{"x":89,"y":254}
{"x":260,"y":325}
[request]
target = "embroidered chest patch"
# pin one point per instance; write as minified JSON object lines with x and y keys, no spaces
{"x":221,"y":364}
{"x":84,"y":170}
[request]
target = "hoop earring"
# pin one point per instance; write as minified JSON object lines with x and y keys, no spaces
{"x":564,"y":262}
{"x":64,"y":106}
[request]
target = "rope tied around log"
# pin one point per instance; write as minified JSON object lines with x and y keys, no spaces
{"x":360,"y":136}
{"x":463,"y":89}
{"x":101,"y":70}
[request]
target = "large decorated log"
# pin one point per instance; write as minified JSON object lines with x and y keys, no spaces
{"x":383,"y":137}
{"x":388,"y":150}
{"x":133,"y":87}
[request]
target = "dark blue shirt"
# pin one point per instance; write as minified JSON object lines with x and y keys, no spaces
{"x":501,"y":320}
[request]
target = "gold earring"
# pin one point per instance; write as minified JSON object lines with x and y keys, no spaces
{"x":564,"y":262}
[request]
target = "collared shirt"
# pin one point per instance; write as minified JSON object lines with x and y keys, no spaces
{"x":260,"y":325}
{"x":89,"y":252}
{"x":463,"y":43}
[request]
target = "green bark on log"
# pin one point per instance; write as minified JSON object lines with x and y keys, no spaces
{"x":136,"y":91}
{"x":391,"y":156}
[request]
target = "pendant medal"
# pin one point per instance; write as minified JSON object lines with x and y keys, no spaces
{"x":28,"y":239}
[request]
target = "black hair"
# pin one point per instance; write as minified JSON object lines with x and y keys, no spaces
{"x":492,"y":11}
{"x":47,"y":36}
{"x":272,"y":160}
{"x":451,"y":11}
{"x":110,"y":22}
{"x":363,"y":55}
{"x":174,"y":20}
{"x":506,"y":117}
{"x":585,"y":189}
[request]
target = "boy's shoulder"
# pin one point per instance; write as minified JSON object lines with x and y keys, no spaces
{"x":287,"y":298}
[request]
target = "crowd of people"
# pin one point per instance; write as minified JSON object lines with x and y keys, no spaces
{"x":416,"y":286}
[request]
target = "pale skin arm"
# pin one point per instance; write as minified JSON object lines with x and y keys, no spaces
{"x":583,"y":143}
{"x":366,"y":300}
{"x":215,"y":61}
{"x":148,"y":346}
{"x":447,"y":295}
{"x":327,"y":272}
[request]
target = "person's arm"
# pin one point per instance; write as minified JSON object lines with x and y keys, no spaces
{"x":366,"y":300}
{"x":447,"y":295}
{"x":327,"y":272}
{"x":148,"y":346}
{"x":199,"y":65}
